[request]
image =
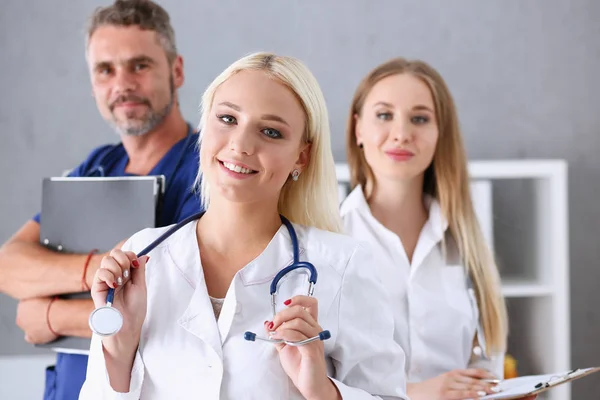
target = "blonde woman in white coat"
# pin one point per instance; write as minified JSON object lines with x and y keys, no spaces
{"x":411,"y":202}
{"x":265,"y":152}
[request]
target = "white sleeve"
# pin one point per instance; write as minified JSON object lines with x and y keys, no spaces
{"x":97,"y":384}
{"x":367,"y":360}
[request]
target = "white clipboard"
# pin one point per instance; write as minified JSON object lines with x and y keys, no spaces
{"x":523,"y":386}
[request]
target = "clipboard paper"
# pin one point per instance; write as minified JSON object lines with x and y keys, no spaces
{"x":517,"y":388}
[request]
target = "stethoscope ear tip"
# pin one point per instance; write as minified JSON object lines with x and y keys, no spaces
{"x":324,"y":335}
{"x":250,"y":336}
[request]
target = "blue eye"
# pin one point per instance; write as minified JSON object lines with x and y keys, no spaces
{"x":272,"y":133}
{"x":386,"y":116}
{"x":419,"y":120}
{"x":227,"y":119}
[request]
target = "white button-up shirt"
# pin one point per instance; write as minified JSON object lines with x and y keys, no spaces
{"x":435,"y":309}
{"x":185,"y":353}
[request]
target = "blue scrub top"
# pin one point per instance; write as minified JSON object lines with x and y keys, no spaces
{"x":180,"y":167}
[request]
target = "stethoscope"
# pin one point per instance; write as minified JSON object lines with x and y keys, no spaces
{"x":107,"y":320}
{"x":312,"y":281}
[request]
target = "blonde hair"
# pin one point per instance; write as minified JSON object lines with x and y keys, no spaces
{"x":447,"y":180}
{"x":312,"y":200}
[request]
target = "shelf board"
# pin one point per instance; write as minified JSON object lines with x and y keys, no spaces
{"x":496,"y":169}
{"x":517,"y":169}
{"x":512,"y":287}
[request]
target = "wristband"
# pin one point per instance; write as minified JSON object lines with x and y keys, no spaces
{"x":48,"y":316}
{"x":84,"y":285}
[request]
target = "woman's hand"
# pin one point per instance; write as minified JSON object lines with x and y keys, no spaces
{"x":305,"y":365}
{"x":458,"y":384}
{"x":125,"y":273}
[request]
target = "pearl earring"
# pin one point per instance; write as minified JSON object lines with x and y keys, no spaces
{"x":295,"y":174}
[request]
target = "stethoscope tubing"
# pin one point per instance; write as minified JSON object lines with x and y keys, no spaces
{"x":250,"y":336}
{"x":111,"y":292}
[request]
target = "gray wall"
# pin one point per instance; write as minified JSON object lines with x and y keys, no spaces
{"x":524,"y":75}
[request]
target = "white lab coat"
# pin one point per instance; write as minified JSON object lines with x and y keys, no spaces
{"x":186,"y":353}
{"x":436,"y":314}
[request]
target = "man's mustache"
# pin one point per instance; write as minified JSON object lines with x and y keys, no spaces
{"x":130,"y":98}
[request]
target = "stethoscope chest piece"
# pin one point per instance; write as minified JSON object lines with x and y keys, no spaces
{"x":106,"y":321}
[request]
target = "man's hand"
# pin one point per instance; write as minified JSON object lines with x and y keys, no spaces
{"x":31,"y":318}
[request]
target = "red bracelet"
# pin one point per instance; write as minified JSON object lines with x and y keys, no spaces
{"x":84,"y":285}
{"x":48,"y":316}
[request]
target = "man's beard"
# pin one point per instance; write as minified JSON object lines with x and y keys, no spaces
{"x":142,"y":125}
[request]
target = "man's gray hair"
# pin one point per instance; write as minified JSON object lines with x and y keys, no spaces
{"x":145,"y":14}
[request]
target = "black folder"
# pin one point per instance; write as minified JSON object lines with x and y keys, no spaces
{"x":81,"y":214}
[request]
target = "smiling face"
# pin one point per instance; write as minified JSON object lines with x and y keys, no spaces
{"x":397,"y":128}
{"x":132,"y":80}
{"x":253,"y":138}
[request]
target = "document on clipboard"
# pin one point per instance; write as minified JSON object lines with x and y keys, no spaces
{"x":80,"y":214}
{"x":523,"y":386}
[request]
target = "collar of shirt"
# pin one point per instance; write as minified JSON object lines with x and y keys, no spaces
{"x":435,"y":227}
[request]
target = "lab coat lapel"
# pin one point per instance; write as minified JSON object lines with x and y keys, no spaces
{"x":199,"y":318}
{"x":277,"y":255}
{"x":230,"y":308}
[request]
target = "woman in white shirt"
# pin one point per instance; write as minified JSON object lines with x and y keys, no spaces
{"x":411,"y":202}
{"x":265,"y":153}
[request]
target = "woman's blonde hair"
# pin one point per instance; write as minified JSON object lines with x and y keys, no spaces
{"x":447,"y":180}
{"x":312,"y":200}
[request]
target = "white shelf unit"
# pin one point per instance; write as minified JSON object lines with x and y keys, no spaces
{"x":538,"y":295}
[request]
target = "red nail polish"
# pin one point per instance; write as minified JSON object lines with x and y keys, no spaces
{"x":135,"y":263}
{"x":287,"y":302}
{"x":115,"y":285}
{"x":271,"y":325}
